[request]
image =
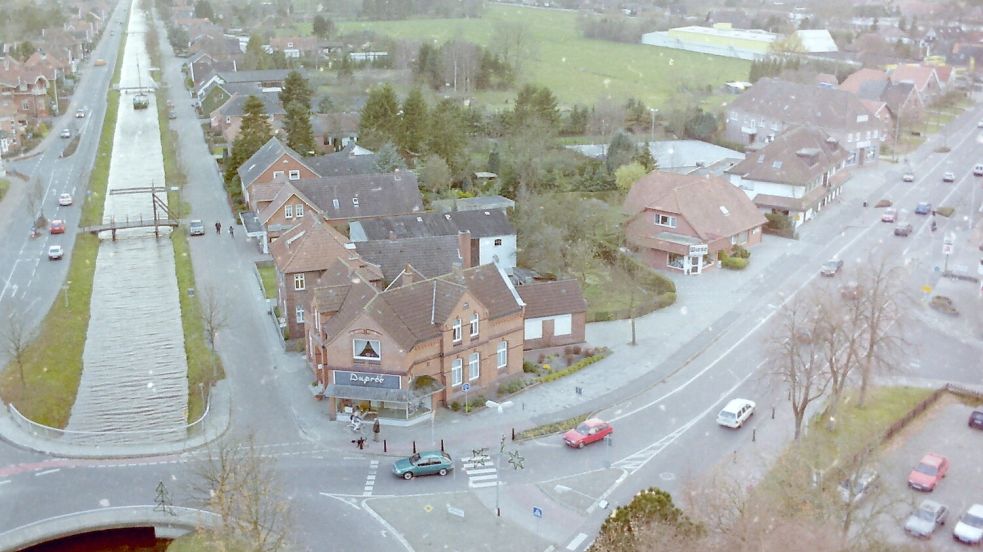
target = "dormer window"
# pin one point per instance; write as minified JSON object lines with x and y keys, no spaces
{"x":294,"y":175}
{"x":299,"y":210}
{"x":474,"y":324}
{"x":367,"y":349}
{"x":456,"y":331}
{"x":288,"y":211}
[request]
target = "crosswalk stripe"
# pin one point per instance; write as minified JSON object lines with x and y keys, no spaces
{"x":483,"y":477}
{"x":481,"y":471}
{"x":482,"y":484}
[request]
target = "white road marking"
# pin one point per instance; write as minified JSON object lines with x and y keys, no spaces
{"x":46,"y":472}
{"x":482,"y":484}
{"x":4,"y":482}
{"x":577,"y":541}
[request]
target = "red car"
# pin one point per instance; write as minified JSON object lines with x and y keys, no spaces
{"x":928,"y":472}
{"x":587,"y":432}
{"x":57,"y":227}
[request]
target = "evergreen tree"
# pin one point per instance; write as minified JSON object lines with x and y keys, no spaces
{"x":254,"y":132}
{"x":296,"y":89}
{"x":379,"y":122}
{"x":494,"y":160}
{"x":203,"y":10}
{"x":387,"y":159}
{"x":322,"y":27}
{"x":620,"y":152}
{"x":346,"y":69}
{"x":645,"y":159}
{"x":435,"y":175}
{"x":576,"y":121}
{"x":447,"y":135}
{"x":413,"y":125}
{"x":297,"y":124}
{"x":255,"y":57}
{"x":535,"y":103}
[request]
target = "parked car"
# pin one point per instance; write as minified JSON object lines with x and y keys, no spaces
{"x":196,"y":228}
{"x":857,"y":488}
{"x":99,"y":62}
{"x":929,"y":472}
{"x":976,"y":419}
{"x":428,"y":462}
{"x":929,"y":516}
{"x":66,"y":133}
{"x":79,"y":113}
{"x":55,"y":252}
{"x":736,"y":413}
{"x":587,"y":432}
{"x":65,"y":200}
{"x":889,"y":215}
{"x":978,"y":169}
{"x":171,"y":114}
{"x":903,"y":229}
{"x":57,"y":227}
{"x":908,"y":177}
{"x":948,"y":176}
{"x":970,"y":527}
{"x":923,"y":208}
{"x":831,"y":267}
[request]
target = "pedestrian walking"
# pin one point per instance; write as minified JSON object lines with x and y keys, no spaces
{"x":231,"y":231}
{"x":361,"y":443}
{"x":218,"y":227}
{"x":376,"y":428}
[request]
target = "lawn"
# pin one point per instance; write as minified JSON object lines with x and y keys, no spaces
{"x":4,"y":186}
{"x":611,"y":296}
{"x":577,"y":69}
{"x":267,"y":273}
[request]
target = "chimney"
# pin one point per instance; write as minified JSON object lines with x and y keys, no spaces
{"x":464,"y":248}
{"x":407,"y":277}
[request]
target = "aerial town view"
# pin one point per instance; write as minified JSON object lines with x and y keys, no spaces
{"x":477,"y":275}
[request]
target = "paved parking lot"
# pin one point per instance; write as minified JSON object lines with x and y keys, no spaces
{"x":942,"y":430}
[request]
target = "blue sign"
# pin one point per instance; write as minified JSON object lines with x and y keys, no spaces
{"x":537,"y":512}
{"x":466,"y":387}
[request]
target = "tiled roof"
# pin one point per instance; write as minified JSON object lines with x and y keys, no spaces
{"x":481,"y":224}
{"x":552,"y":298}
{"x":919,"y":75}
{"x":285,"y":192}
{"x":856,"y":79}
{"x":797,"y":156}
{"x":263,"y":158}
{"x":897,"y":94}
{"x":234,"y":106}
{"x":364,"y":195}
{"x":344,"y":162}
{"x":254,"y":76}
{"x":430,"y":256}
{"x":794,"y":103}
{"x":311,"y":246}
{"x":713,"y":207}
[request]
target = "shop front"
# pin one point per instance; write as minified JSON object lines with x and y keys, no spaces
{"x":384,"y":394}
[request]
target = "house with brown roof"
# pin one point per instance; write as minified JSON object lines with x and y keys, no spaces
{"x":922,"y":77}
{"x":302,"y":255}
{"x":26,"y":87}
{"x":771,"y":106}
{"x":556,"y":314}
{"x":888,"y":101}
{"x":295,"y":47}
{"x":406,"y":351}
{"x":681,"y":222}
{"x":797,"y":175}
{"x":274,"y":162}
{"x":227,"y":118}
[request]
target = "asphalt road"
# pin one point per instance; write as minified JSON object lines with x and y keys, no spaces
{"x":664,"y":435}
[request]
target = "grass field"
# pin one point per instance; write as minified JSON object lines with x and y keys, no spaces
{"x":577,"y":69}
{"x":4,"y":186}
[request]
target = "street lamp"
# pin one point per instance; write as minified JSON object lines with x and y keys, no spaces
{"x":653,"y":111}
{"x":501,"y":449}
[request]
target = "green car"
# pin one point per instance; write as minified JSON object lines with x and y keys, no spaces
{"x":426,"y":462}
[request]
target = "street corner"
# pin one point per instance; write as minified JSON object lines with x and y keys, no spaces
{"x":452,"y":521}
{"x":582,"y":492}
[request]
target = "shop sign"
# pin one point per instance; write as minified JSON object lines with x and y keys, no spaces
{"x":366,"y":379}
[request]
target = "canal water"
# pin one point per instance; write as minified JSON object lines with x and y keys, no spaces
{"x":134,"y":378}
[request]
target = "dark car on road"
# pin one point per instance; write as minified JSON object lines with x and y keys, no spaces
{"x":976,"y":419}
{"x":923,"y":208}
{"x":831,"y":267}
{"x":428,"y":462}
{"x":903,"y":229}
{"x":57,"y":227}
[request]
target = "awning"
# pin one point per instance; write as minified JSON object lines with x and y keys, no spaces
{"x":358,"y":393}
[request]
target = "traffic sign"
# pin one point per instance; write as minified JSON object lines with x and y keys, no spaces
{"x":466,"y":387}
{"x":947,"y":249}
{"x":537,"y":512}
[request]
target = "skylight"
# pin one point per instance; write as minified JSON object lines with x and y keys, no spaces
{"x":724,"y":211}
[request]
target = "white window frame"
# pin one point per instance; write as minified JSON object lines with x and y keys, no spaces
{"x":294,"y":174}
{"x":299,"y":314}
{"x":502,"y":353}
{"x":288,"y":211}
{"x":474,"y":366}
{"x":299,"y":210}
{"x":377,"y":347}
{"x":665,"y":220}
{"x":473,"y":325}
{"x":300,"y":282}
{"x":277,"y":174}
{"x":355,"y":201}
{"x":228,"y":120}
{"x":457,"y":372}
{"x":498,"y":241}
{"x":456,"y":331}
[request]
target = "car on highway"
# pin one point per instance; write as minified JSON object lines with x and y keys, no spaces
{"x":976,"y":419}
{"x":65,"y":200}
{"x":196,"y":228}
{"x":970,"y":527}
{"x":908,"y":177}
{"x":978,"y":169}
{"x":55,"y":252}
{"x":427,"y":462}
{"x":831,"y":267}
{"x":99,"y":62}
{"x":923,"y":208}
{"x":903,"y":229}
{"x":171,"y":114}
{"x":736,"y":413}
{"x":929,"y":516}
{"x":66,"y":133}
{"x":79,"y":113}
{"x":889,"y":215}
{"x":928,"y":473}
{"x":57,"y":227}
{"x":948,"y":176}
{"x":587,"y":432}
{"x":858,"y":487}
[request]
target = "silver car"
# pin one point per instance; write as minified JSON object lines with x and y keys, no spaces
{"x":196,"y":228}
{"x":929,"y":516}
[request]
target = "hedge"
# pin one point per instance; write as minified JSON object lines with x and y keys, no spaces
{"x":576,"y":367}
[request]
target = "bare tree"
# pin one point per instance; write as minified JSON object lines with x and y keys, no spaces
{"x":17,"y":337}
{"x":880,"y":293}
{"x":840,"y":330}
{"x":514,"y":42}
{"x":797,"y":360}
{"x":240,"y":484}
{"x":214,"y":318}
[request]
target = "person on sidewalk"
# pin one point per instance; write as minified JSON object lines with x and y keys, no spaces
{"x":376,"y":428}
{"x":218,"y":227}
{"x":231,"y":232}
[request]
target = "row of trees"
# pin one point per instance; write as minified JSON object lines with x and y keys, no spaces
{"x":24,"y":19}
{"x":463,"y":65}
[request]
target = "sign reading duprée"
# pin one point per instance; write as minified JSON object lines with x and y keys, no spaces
{"x":366,"y":379}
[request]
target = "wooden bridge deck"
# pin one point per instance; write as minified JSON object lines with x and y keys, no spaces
{"x":130,"y":224}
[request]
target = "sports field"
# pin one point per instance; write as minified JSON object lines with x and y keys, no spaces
{"x":578,"y":70}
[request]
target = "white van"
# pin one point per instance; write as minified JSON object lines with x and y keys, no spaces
{"x":978,"y":169}
{"x":736,"y":413}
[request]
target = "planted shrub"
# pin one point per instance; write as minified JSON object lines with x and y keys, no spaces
{"x":740,"y":252}
{"x":734,"y":263}
{"x":577,"y":349}
{"x":455,"y":406}
{"x":529,"y":367}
